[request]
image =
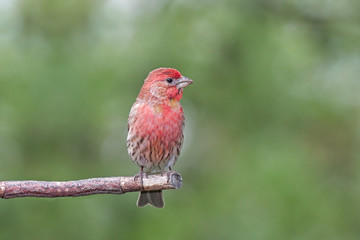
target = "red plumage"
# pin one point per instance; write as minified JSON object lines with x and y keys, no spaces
{"x":155,"y":126}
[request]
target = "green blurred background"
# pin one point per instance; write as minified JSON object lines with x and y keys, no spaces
{"x":273,"y":118}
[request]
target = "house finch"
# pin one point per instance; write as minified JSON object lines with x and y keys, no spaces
{"x":155,"y":127}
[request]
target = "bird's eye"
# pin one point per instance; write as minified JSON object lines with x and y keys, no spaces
{"x":169,"y":80}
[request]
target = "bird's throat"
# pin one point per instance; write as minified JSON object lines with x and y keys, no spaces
{"x":174,"y":94}
{"x":174,"y":103}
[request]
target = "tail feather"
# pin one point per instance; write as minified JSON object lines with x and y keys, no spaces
{"x":153,"y":198}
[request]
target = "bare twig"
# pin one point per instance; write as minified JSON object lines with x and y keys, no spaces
{"x":107,"y":185}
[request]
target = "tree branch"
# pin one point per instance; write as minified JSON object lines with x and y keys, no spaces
{"x":107,"y":185}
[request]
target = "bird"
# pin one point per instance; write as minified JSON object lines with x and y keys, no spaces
{"x":155,"y":127}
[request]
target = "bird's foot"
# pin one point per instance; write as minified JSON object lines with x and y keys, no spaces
{"x":141,"y":176}
{"x":168,"y":174}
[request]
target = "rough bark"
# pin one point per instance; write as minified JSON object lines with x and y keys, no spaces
{"x":84,"y":187}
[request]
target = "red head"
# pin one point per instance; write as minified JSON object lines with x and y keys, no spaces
{"x":164,"y":84}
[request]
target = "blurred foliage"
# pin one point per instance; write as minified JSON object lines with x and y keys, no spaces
{"x":272,"y":134}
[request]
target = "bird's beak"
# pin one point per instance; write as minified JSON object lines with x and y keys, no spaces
{"x":183,"y":82}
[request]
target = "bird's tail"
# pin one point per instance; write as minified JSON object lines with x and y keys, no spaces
{"x":153,"y":198}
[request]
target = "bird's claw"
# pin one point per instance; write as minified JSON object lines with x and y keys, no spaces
{"x":141,"y":175}
{"x":168,"y":174}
